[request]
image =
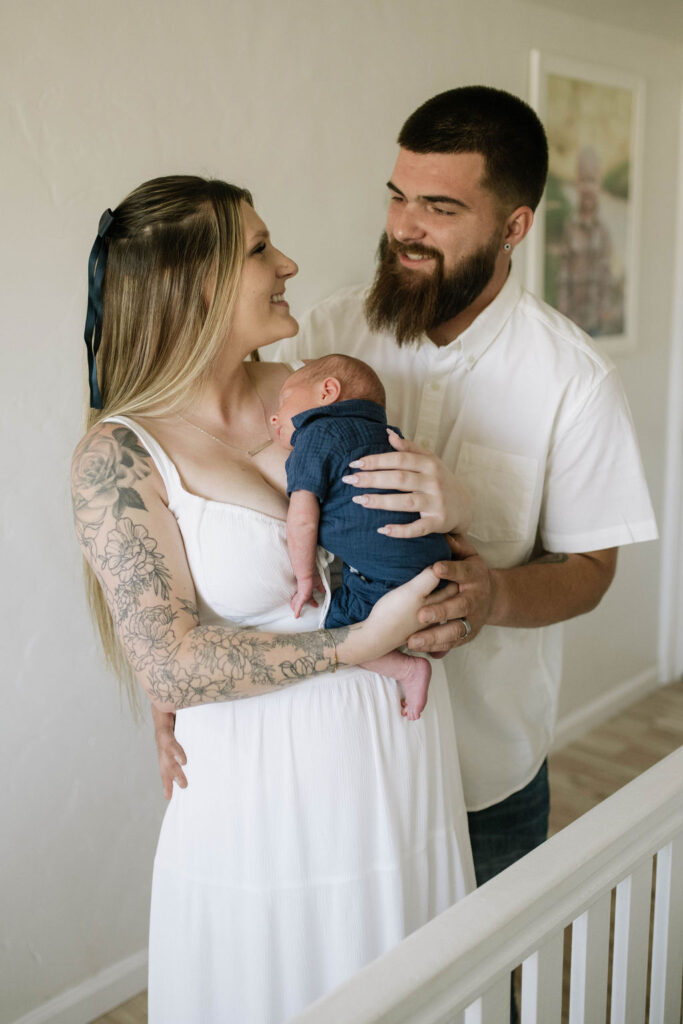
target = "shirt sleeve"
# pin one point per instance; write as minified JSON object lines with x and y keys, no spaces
{"x":595,"y":494}
{"x":309,"y":467}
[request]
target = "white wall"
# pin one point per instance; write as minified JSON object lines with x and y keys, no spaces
{"x":301,"y":100}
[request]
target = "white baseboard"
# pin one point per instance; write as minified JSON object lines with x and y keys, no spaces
{"x":95,"y":996}
{"x":574,"y":725}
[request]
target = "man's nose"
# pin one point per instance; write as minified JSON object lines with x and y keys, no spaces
{"x":405,"y":224}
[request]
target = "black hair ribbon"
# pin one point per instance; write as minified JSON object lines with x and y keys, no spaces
{"x":93,"y":320}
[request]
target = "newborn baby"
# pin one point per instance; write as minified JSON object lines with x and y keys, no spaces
{"x":331,"y":413}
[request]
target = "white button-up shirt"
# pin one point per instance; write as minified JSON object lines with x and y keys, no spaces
{"x":533,"y":420}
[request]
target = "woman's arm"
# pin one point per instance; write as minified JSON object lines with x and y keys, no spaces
{"x":132,"y":541}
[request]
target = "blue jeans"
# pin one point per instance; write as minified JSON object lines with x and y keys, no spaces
{"x":505,"y":832}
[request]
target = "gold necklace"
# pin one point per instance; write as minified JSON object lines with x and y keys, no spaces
{"x":250,"y":452}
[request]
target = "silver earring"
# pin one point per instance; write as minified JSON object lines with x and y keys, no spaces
{"x":507,"y":247}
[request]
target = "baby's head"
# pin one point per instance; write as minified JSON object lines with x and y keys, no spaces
{"x":324,"y":381}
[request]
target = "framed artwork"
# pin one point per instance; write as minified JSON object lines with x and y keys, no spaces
{"x":583,"y":250}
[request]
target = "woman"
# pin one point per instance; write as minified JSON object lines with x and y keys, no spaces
{"x":318,"y":827}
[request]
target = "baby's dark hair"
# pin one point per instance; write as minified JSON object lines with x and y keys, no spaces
{"x":357,"y":379}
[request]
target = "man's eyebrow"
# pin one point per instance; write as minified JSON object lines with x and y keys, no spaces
{"x":431,"y":199}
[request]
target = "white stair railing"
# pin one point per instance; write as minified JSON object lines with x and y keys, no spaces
{"x":457,"y":967}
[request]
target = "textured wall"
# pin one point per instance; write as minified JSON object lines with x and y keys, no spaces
{"x":300,"y":100}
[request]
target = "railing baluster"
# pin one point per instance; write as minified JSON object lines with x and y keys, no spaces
{"x":443,"y":967}
{"x":631,"y":941}
{"x":667,"y":940}
{"x":542,"y":983}
{"x":493,"y":1006}
{"x":590,"y":960}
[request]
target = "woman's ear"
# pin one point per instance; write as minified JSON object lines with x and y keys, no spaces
{"x":329,"y":391}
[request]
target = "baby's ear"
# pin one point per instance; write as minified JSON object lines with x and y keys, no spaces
{"x":330,"y":390}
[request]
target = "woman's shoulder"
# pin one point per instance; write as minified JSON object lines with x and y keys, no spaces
{"x":111,"y":462}
{"x":106,"y":439}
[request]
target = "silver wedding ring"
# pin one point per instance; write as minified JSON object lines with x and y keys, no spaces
{"x":468,"y":629}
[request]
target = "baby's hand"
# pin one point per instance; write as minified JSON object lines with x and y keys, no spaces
{"x":304,"y":594}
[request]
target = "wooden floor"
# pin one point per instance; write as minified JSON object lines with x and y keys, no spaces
{"x":581,"y":775}
{"x":607,"y":758}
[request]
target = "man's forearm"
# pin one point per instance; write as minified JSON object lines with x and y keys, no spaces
{"x":551,"y":589}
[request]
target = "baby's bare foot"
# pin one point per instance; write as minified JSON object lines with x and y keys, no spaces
{"x":414,"y":683}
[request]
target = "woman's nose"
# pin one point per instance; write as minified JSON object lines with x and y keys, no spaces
{"x":288,"y":268}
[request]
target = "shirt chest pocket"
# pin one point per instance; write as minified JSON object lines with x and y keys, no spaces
{"x":502,"y":488}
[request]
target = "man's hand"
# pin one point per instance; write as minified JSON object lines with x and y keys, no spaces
{"x":428,"y":488}
{"x":469,"y":595}
{"x":552,"y":588}
{"x":171,"y":755}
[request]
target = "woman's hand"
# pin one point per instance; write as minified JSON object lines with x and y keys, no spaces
{"x":427,"y":487}
{"x":171,"y":755}
{"x":395,"y":617}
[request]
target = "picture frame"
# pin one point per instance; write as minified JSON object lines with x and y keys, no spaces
{"x":582,"y":256}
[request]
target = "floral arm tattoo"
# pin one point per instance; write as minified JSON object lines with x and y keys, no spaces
{"x":178,"y":661}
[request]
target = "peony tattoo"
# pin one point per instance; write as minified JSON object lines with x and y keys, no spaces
{"x":181,"y":661}
{"x":149,"y":636}
{"x":105,"y":474}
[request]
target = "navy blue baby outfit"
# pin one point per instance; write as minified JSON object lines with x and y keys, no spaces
{"x":324,"y":441}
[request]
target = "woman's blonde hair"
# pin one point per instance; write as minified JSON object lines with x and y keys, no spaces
{"x":175,"y":252}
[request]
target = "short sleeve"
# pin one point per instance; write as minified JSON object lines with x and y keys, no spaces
{"x":595,"y":494}
{"x":310,"y":464}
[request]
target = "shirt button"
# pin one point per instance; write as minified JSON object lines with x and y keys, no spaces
{"x":424,"y":441}
{"x":435,"y":385}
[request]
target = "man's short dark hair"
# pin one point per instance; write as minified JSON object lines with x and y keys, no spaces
{"x":503,"y":128}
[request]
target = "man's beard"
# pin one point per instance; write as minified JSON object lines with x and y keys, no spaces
{"x":410,"y":302}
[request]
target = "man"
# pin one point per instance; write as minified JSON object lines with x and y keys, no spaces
{"x":517,"y":404}
{"x":530,"y":418}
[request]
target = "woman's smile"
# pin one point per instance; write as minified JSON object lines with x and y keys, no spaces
{"x":264,"y":273}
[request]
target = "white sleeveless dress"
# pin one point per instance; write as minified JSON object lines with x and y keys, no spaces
{"x":318,"y":828}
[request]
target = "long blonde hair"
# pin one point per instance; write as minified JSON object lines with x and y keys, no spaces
{"x":170,"y":239}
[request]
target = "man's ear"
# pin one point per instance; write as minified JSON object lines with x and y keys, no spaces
{"x":518,"y":225}
{"x":329,"y":391}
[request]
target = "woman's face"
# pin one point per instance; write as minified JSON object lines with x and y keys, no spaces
{"x":261,"y":314}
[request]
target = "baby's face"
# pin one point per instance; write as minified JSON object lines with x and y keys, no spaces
{"x":296,"y":395}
